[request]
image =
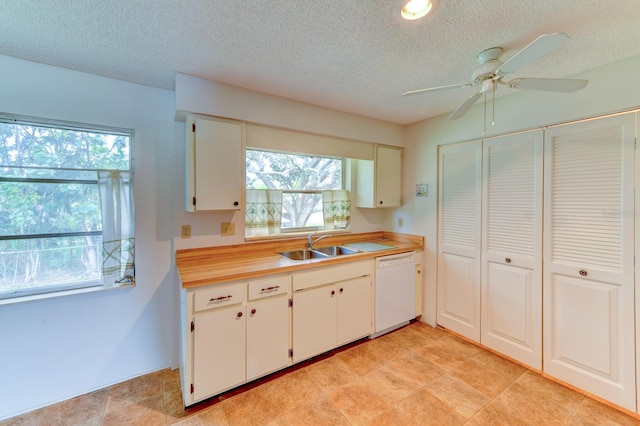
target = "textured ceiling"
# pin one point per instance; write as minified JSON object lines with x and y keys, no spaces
{"x":356,"y":56}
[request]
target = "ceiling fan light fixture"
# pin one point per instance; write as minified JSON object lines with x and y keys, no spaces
{"x":416,"y":9}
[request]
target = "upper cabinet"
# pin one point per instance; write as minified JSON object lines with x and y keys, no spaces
{"x":379,"y":181}
{"x":214,"y":164}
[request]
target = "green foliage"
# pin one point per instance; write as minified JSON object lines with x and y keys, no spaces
{"x":48,"y":186}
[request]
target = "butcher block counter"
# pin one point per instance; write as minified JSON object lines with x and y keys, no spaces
{"x":212,"y":265}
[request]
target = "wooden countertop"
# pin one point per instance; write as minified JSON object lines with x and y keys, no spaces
{"x":213,"y":265}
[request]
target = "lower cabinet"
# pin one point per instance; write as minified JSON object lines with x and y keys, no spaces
{"x":331,"y":306}
{"x":235,"y":333}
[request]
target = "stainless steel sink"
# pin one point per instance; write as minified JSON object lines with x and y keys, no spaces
{"x":318,"y":253}
{"x":303,"y":254}
{"x":336,"y":250}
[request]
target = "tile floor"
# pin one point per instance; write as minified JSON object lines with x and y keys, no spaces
{"x":417,"y":375}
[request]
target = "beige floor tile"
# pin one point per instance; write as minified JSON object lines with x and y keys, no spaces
{"x":358,"y":402}
{"x":493,"y":415}
{"x":391,"y":417}
{"x":432,"y":333}
{"x":321,"y":411}
{"x":292,"y":390}
{"x":252,"y":408}
{"x":594,"y":413}
{"x":423,"y":408}
{"x":331,"y":373}
{"x":448,"y":352}
{"x":76,"y":410}
{"x":390,"y":384}
{"x":457,"y":394}
{"x":31,"y":418}
{"x":386,"y":348}
{"x":543,"y":403}
{"x":145,"y":412}
{"x":488,"y":373}
{"x":138,"y":389}
{"x":409,"y":338}
{"x":417,"y":368}
{"x":362,"y":359}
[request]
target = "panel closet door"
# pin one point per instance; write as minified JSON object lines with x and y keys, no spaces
{"x":459,"y":199}
{"x":588,"y":256}
{"x":512,"y":247}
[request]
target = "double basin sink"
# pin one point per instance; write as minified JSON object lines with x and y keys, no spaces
{"x":318,"y":253}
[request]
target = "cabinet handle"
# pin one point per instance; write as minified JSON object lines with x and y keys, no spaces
{"x":508,"y":260}
{"x":333,"y":292}
{"x":215,"y":299}
{"x":583,"y":272}
{"x":273,"y":287}
{"x":341,"y":290}
{"x":381,"y":201}
{"x":253,"y":311}
{"x":235,"y":203}
{"x":239,"y":314}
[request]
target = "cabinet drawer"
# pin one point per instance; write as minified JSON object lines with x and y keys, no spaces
{"x":218,"y":296}
{"x":331,"y":274}
{"x":269,"y":286}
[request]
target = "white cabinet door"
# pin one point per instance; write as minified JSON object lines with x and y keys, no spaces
{"x":218,"y":340}
{"x":314,"y":321}
{"x":214,"y":165}
{"x":588,"y":255}
{"x":388,"y":176}
{"x":379,"y":182}
{"x":460,"y":176}
{"x":267,"y":336}
{"x":512,"y":247}
{"x":354,"y":309}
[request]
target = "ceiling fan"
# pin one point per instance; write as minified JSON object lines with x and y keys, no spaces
{"x":492,"y":70}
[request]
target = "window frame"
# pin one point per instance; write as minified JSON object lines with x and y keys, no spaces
{"x":287,"y":232}
{"x":21,"y":295}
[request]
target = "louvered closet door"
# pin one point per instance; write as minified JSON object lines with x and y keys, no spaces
{"x":512,"y":247}
{"x":460,"y":174}
{"x":588,"y":257}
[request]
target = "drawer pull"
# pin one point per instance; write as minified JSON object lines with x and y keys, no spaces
{"x":219,"y":299}
{"x":583,"y":272}
{"x":270,"y":288}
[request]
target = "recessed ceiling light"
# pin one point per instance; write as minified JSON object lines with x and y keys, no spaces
{"x":416,"y":9}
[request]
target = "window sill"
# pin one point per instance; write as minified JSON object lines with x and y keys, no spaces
{"x":292,"y":235}
{"x":64,"y":293}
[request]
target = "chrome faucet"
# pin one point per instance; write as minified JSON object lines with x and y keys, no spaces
{"x":310,"y":241}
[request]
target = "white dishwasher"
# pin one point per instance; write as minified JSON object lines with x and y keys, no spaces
{"x":395,"y":292}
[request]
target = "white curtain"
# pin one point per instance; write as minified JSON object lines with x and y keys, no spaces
{"x":118,"y":227}
{"x":336,"y":207}
{"x":263,"y":212}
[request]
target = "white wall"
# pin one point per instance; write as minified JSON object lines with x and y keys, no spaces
{"x":54,"y":349}
{"x":611,"y":88}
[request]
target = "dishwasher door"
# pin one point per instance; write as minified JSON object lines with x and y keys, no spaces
{"x":395,"y":287}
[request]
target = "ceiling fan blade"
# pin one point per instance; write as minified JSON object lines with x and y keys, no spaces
{"x":464,"y":107}
{"x":538,"y":47}
{"x":436,"y":89}
{"x":566,"y":85}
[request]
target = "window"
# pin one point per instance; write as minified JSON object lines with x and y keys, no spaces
{"x":294,"y":192}
{"x":66,"y":207}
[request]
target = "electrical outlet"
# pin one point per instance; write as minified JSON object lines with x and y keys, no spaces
{"x":400,"y":222}
{"x":186,"y":231}
{"x":227,"y":228}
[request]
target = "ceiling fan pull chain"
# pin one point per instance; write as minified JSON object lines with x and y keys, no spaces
{"x":493,"y":106}
{"x":484,"y":121}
